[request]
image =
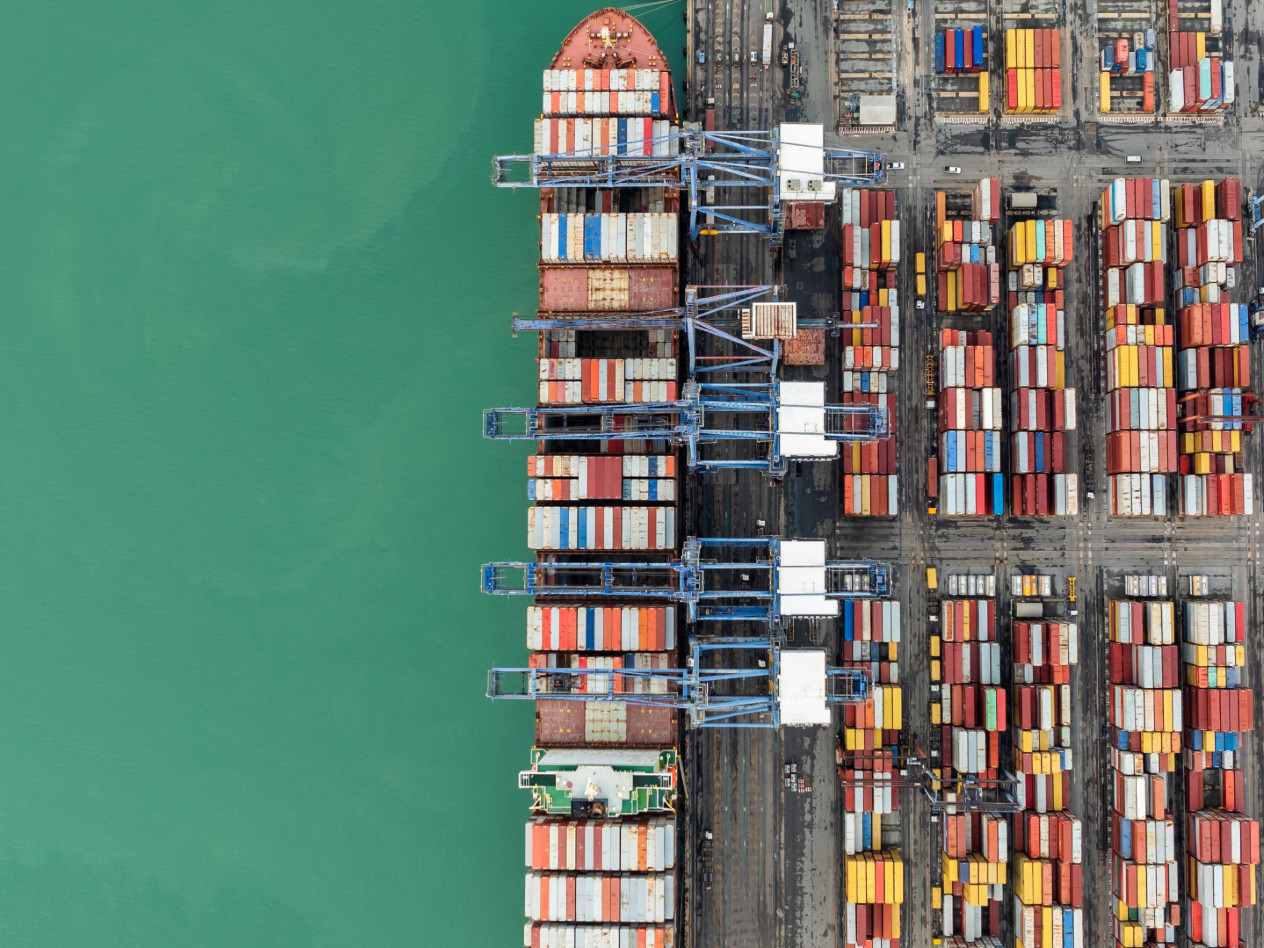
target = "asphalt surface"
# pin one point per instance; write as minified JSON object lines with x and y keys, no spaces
{"x":775,"y":874}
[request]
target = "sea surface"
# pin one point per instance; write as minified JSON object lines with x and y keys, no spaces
{"x":257,"y":289}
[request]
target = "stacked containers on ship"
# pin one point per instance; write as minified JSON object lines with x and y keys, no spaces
{"x":1213,"y":364}
{"x":967,"y":271}
{"x":970,"y":416}
{"x":873,"y":869}
{"x":600,"y":881}
{"x":1048,"y":874}
{"x":1033,"y":70}
{"x":1120,"y":59}
{"x":1141,"y":443}
{"x":971,"y":713}
{"x":1145,"y":717}
{"x":1222,"y":844}
{"x":1042,"y":407}
{"x":604,"y":876}
{"x":870,"y":356}
{"x":1201,"y":79}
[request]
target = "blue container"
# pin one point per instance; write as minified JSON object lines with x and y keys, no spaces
{"x":655,"y":109}
{"x":959,"y":44}
{"x":979,"y":55}
{"x":561,"y":235}
{"x":998,"y":494}
{"x":592,"y":236}
{"x":623,"y":136}
{"x":939,"y":53}
{"x":1143,"y":58}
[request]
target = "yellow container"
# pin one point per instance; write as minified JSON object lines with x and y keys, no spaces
{"x":1011,"y":49}
{"x":952,"y":292}
{"x":1200,"y":44}
{"x":1103,"y":103}
{"x":1029,"y":49}
{"x":1208,"y":189}
{"x":886,"y":241}
{"x":921,"y":284}
{"x":920,"y":260}
{"x":985,"y":98}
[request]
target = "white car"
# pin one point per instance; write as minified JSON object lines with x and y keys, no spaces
{"x":895,"y":166}
{"x":953,"y":169}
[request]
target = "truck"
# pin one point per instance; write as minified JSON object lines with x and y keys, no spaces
{"x":767,"y":51}
{"x":921,"y":274}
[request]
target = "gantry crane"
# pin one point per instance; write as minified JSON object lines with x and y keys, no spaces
{"x":712,"y":579}
{"x":789,"y":162}
{"x":945,"y":793}
{"x":782,"y":687}
{"x":752,"y":406}
{"x":1245,"y":420}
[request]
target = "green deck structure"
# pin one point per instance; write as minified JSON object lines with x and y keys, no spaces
{"x":584,"y":782}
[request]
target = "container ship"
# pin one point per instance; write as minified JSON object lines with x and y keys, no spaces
{"x":601,"y":842}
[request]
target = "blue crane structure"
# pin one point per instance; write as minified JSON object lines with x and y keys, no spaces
{"x":697,"y":162}
{"x":705,"y":580}
{"x":742,"y":408}
{"x":711,"y":695}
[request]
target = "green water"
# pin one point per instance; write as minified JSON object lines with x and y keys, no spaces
{"x":256,"y":289}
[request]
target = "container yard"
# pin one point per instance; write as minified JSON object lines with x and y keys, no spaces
{"x":1054,"y":742}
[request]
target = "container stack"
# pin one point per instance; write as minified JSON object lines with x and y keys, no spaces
{"x":1042,"y":407}
{"x":1126,"y":57}
{"x":975,"y":871}
{"x":608,"y":238}
{"x":1213,"y":367}
{"x":1141,"y":444}
{"x":1145,"y":716}
{"x":584,"y":138}
{"x":968,"y":702}
{"x":1222,"y":845}
{"x":607,"y":92}
{"x":968,"y":272}
{"x":1200,"y":80}
{"x":580,"y":871}
{"x":587,"y":112}
{"x":960,"y":50}
{"x":868,"y":746}
{"x":871,"y":356}
{"x":970,"y":415}
{"x":1048,"y":873}
{"x":873,"y":889}
{"x":602,"y":638}
{"x":971,"y":706}
{"x":1033,"y":70}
